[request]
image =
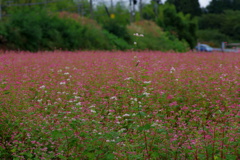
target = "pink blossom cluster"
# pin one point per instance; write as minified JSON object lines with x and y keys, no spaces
{"x":134,"y":105}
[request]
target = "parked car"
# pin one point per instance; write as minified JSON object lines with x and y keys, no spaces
{"x":204,"y":48}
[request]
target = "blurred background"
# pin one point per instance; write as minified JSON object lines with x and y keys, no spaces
{"x":177,"y":25}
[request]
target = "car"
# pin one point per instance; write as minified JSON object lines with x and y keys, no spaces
{"x":204,"y":48}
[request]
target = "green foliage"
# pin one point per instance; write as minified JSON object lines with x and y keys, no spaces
{"x":231,"y":24}
{"x":213,"y":37}
{"x":103,"y":13}
{"x":210,"y":21}
{"x":178,"y":24}
{"x":35,"y":31}
{"x":154,"y":38}
{"x":117,"y":29}
{"x":10,"y":7}
{"x":218,"y":6}
{"x":117,"y":42}
{"x":227,"y":25}
{"x":187,"y":6}
{"x":23,"y":29}
{"x":115,"y":20}
{"x":3,"y":34}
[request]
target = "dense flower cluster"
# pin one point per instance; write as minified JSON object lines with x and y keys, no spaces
{"x":88,"y":105}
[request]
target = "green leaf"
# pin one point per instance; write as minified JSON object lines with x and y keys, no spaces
{"x":161,"y":130}
{"x":6,"y":92}
{"x":110,"y":156}
{"x":142,"y":114}
{"x":56,"y":134}
{"x":13,"y":150}
{"x":62,"y":157}
{"x":144,"y":128}
{"x":29,"y":155}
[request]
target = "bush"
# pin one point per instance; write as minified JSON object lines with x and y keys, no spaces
{"x":112,"y":26}
{"x":180,"y":25}
{"x":33,"y":31}
{"x":212,"y":37}
{"x":150,"y":36}
{"x":116,"y":42}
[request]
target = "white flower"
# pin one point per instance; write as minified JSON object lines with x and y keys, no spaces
{"x":66,"y":67}
{"x":62,"y":83}
{"x":114,"y":97}
{"x":135,"y":43}
{"x":172,"y":70}
{"x":77,"y":97}
{"x":78,"y":104}
{"x":133,"y":99}
{"x":141,"y":35}
{"x":92,"y":106}
{"x":66,"y":73}
{"x":126,"y":115}
{"x":122,"y":130}
{"x":146,"y":94}
{"x":59,"y":70}
{"x":147,"y":82}
{"x":118,"y":117}
{"x":39,"y":100}
{"x":126,"y":79}
{"x":135,"y":34}
{"x":42,"y":87}
{"x":93,"y":111}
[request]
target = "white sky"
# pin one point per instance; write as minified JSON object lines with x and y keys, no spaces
{"x":203,"y":3}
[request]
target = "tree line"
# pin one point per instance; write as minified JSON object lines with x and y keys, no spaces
{"x":181,"y":22}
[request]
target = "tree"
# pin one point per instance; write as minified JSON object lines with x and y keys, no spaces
{"x":182,"y":26}
{"x":218,"y":6}
{"x":157,"y":1}
{"x":231,"y":24}
{"x":11,"y":7}
{"x":187,"y":6}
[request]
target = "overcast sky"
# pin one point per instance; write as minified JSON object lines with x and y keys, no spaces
{"x":203,"y":3}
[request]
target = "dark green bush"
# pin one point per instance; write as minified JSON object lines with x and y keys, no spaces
{"x":114,"y":27}
{"x":37,"y":30}
{"x":212,"y":37}
{"x":116,"y":42}
{"x":150,"y":36}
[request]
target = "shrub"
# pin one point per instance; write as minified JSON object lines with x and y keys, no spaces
{"x":33,"y":31}
{"x":150,"y":36}
{"x":117,"y":29}
{"x":116,"y":42}
{"x":212,"y":37}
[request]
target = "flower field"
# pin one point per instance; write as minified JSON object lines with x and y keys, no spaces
{"x":119,"y":105}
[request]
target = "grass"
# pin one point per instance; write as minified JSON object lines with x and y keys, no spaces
{"x":119,"y":105}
